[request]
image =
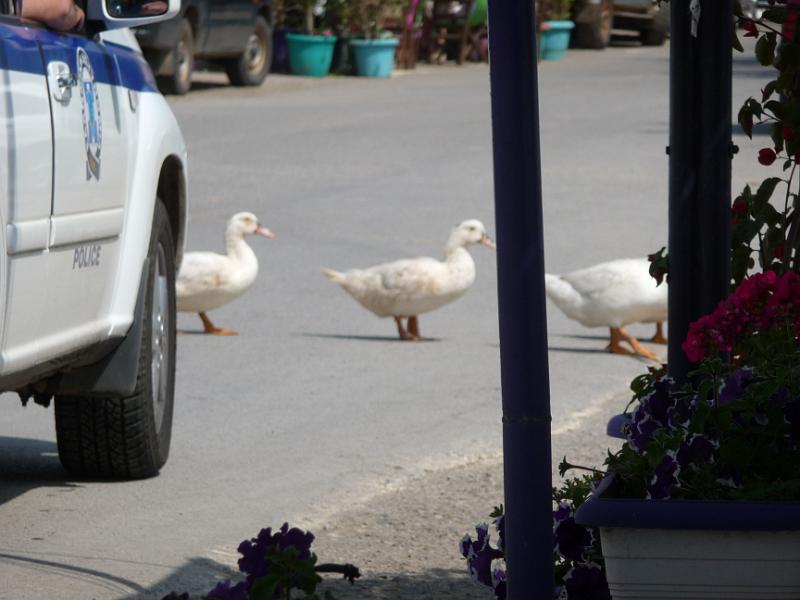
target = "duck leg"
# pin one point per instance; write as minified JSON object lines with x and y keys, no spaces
{"x":209,"y":327}
{"x":638,"y":349}
{"x":413,"y":328}
{"x":401,"y":331}
{"x":615,"y":347}
{"x":659,"y":337}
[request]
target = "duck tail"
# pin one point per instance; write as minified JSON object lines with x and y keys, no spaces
{"x":562,"y":293}
{"x":334,"y":276}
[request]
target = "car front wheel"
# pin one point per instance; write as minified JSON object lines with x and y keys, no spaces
{"x":252,"y":66}
{"x":129,"y":437}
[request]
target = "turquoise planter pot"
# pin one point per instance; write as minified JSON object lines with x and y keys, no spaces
{"x":555,"y":39}
{"x":310,"y":55}
{"x":374,"y":58}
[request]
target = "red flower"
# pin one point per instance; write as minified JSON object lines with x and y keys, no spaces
{"x":787,"y":133}
{"x":750,"y":28}
{"x":739,"y":207}
{"x":767,"y":156}
{"x":778,"y":250}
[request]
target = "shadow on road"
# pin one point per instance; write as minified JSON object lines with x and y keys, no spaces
{"x":362,"y":338}
{"x":200,"y":575}
{"x":434,"y":584}
{"x":26,"y":464}
{"x":63,"y":567}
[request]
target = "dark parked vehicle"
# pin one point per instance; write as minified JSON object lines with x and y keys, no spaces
{"x":235,"y":34}
{"x":594,"y":20}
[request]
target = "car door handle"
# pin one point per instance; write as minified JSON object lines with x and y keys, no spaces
{"x":61,"y":80}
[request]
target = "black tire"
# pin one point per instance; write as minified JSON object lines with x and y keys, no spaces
{"x":129,"y":438}
{"x":597,"y":34}
{"x":251,"y":68}
{"x":656,"y":34}
{"x":182,"y":57}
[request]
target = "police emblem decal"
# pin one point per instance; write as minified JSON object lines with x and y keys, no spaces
{"x":90,"y":108}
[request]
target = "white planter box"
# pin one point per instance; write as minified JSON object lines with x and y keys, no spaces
{"x":701,"y":564}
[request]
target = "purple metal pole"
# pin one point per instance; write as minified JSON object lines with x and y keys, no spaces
{"x":699,"y":168}
{"x":523,"y":320}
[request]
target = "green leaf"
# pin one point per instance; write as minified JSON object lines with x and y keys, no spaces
{"x":736,"y":43}
{"x":776,"y":108}
{"x":746,"y":120}
{"x":264,"y":588}
{"x":765,"y":49}
{"x":776,"y":15}
{"x":766,"y":189}
{"x":768,"y":90}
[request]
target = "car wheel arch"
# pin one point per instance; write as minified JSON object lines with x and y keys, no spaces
{"x":172,"y":192}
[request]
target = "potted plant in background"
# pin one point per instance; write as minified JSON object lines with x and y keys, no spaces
{"x":555,"y":27}
{"x":309,"y":54}
{"x":373,"y":55}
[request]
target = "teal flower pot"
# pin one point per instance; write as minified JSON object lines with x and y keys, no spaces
{"x":374,"y":58}
{"x":310,"y":55}
{"x":554,"y":39}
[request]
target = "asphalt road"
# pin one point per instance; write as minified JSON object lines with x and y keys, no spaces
{"x":315,"y":407}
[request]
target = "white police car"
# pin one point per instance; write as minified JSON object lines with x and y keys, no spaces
{"x":93,"y":211}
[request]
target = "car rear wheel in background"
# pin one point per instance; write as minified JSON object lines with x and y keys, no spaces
{"x":252,"y":66}
{"x":596,"y":33}
{"x":129,"y":437}
{"x":659,"y":26}
{"x":182,"y":57}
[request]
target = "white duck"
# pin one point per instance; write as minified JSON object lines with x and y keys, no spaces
{"x":207,"y":280}
{"x":613,"y":294}
{"x":410,"y":287}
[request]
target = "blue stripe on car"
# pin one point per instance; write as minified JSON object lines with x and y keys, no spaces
{"x":21,"y":49}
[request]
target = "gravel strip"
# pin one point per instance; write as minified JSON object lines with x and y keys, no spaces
{"x":406,"y":541}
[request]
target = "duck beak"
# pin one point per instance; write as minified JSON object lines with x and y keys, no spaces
{"x":265,"y":232}
{"x":487,"y":241}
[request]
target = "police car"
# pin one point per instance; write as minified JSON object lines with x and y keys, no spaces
{"x":93,"y":209}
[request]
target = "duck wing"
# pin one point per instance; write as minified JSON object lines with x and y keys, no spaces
{"x":617,"y":275}
{"x":201,"y":272}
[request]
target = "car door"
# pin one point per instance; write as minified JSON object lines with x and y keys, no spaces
{"x":89,"y":109}
{"x":66,"y":160}
{"x":25,"y":193}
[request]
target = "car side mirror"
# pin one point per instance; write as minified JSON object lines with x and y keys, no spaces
{"x":131,"y":13}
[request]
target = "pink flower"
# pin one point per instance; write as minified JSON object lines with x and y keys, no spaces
{"x":767,"y":156}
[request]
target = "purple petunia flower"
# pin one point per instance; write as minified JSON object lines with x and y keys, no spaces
{"x":571,"y":539}
{"x":586,"y":581}
{"x":642,"y":430}
{"x":665,"y":478}
{"x":254,"y":551}
{"x":479,"y":554}
{"x":791,"y":416}
{"x":500,"y":526}
{"x":732,"y":388}
{"x":696,"y":449}
{"x":499,"y":582}
{"x":680,"y":413}
{"x":225,"y":591}
{"x":729,"y":477}
{"x":562,"y":512}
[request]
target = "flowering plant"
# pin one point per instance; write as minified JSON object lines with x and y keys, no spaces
{"x":733,"y":430}
{"x":275,"y":563}
{"x":579,"y":571}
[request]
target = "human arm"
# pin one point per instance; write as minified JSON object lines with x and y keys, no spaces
{"x":61,"y":15}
